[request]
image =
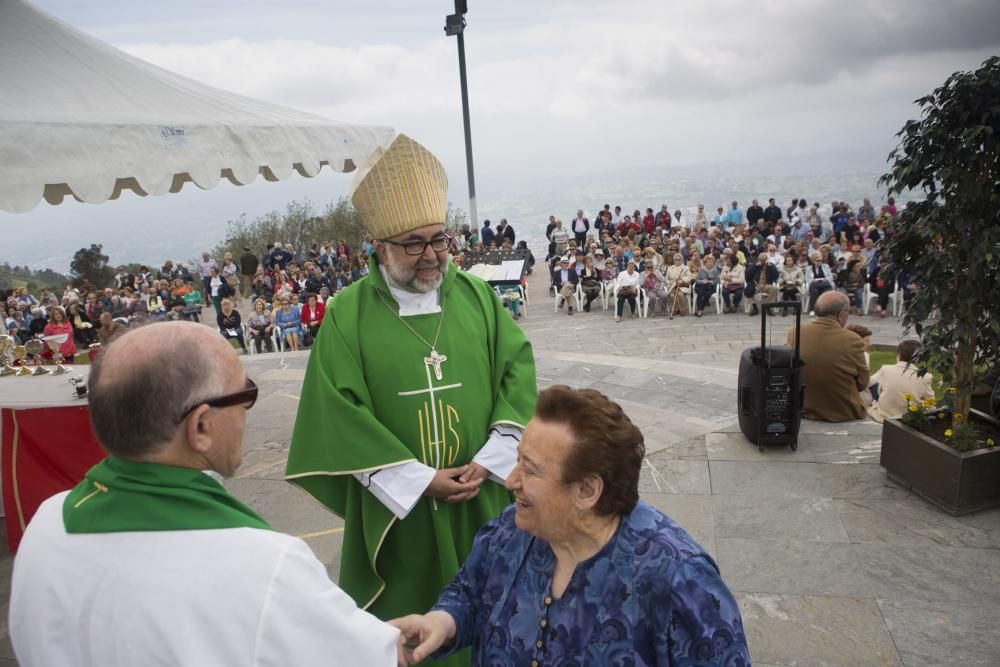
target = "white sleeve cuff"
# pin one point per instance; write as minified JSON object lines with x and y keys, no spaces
{"x":499,"y":454}
{"x":398,"y":487}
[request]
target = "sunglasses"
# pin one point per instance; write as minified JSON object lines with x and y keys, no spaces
{"x":247,"y":397}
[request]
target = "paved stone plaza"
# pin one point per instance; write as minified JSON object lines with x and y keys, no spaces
{"x":832,"y":564}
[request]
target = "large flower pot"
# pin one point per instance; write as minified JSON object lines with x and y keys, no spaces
{"x":957,"y":482}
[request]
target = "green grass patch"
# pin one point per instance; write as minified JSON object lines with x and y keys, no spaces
{"x":877,"y":360}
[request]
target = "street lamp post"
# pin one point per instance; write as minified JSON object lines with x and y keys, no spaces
{"x":455,"y":26}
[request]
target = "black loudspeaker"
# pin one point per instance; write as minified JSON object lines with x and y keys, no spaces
{"x":770,"y":390}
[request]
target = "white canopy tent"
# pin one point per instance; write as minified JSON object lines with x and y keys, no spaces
{"x":79,"y":117}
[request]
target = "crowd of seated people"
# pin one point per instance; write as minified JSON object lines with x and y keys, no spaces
{"x":672,"y":265}
{"x":741,"y":257}
{"x":286,"y":296}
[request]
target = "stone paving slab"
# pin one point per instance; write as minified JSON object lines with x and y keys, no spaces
{"x":816,"y":630}
{"x":932,"y":574}
{"x":943,"y":635}
{"x":751,"y":517}
{"x":792,"y":567}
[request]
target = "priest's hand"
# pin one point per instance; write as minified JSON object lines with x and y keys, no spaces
{"x":475,"y":472}
{"x":447,"y":485}
{"x":422,"y":635}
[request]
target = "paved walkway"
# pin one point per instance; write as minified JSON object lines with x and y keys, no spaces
{"x":832,"y":564}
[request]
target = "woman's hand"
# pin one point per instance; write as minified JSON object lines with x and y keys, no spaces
{"x":422,"y":635}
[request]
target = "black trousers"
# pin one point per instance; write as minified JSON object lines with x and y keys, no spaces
{"x":789,"y":294}
{"x":815,"y":290}
{"x":703,"y":293}
{"x":622,"y":298}
{"x":261,"y":341}
{"x":732,"y":298}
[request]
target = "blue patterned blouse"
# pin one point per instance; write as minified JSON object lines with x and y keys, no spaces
{"x":651,"y":596}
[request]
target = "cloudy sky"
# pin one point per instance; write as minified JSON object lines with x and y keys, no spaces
{"x":557,"y":86}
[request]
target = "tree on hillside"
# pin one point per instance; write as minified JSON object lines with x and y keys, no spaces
{"x":90,"y":265}
{"x":950,"y":239}
{"x":298,"y":226}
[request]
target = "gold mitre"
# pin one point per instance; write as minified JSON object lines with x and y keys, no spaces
{"x":400,"y":188}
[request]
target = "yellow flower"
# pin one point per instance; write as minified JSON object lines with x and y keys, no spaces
{"x":941,"y":416}
{"x":912,"y":408}
{"x":947,"y":433}
{"x":989,"y":442}
{"x":952,"y":390}
{"x":958,"y":417}
{"x":908,"y":396}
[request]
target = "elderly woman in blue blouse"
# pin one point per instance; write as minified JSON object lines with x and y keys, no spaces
{"x":288,"y":320}
{"x":579,"y":571}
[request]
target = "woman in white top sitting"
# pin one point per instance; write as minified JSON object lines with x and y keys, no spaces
{"x":819,"y":279}
{"x":627,"y":287}
{"x":894,"y":382}
{"x":733,"y":280}
{"x":791,"y":281}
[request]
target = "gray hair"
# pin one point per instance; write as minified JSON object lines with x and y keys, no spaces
{"x":139,"y":409}
{"x":831,"y":306}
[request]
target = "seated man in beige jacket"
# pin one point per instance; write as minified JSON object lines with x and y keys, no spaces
{"x":896,"y":381}
{"x":834,"y":362}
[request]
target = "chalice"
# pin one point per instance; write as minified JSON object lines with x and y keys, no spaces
{"x":54,"y":341}
{"x":34,"y":347}
{"x":21,"y":354}
{"x":6,"y":347}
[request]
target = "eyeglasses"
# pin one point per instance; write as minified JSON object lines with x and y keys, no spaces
{"x":414,"y":248}
{"x":247,"y":396}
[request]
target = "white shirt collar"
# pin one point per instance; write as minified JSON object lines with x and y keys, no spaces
{"x":412,"y":303}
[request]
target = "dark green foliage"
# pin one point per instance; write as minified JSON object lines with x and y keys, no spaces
{"x":299,"y":226}
{"x":90,"y":265}
{"x":951,"y":237}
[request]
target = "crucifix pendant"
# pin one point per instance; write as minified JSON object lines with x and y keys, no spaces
{"x":436,"y":360}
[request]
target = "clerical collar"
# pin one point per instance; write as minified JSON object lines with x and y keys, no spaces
{"x":412,"y":303}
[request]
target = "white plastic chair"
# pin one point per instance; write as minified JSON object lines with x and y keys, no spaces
{"x":718,"y":299}
{"x":605,"y":294}
{"x":579,"y":296}
{"x":248,"y":339}
{"x":717,"y":295}
{"x":895,"y":300}
{"x":640,"y":302}
{"x":576,"y":299}
{"x":277,"y":340}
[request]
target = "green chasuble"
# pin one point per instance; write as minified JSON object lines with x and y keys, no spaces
{"x":370,"y":400}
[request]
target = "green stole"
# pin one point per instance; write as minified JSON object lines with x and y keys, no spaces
{"x":118,"y":495}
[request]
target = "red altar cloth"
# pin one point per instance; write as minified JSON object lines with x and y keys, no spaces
{"x":45,"y":451}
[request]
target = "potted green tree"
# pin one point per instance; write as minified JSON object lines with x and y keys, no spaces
{"x":948,"y":242}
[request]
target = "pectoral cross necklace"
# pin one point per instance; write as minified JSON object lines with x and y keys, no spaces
{"x":435,"y":360}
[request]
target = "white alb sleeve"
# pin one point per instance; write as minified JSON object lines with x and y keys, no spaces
{"x":307,"y":620}
{"x":499,"y":454}
{"x":398,"y":487}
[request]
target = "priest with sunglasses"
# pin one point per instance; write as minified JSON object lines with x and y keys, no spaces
{"x":416,"y":392}
{"x":149,"y":560}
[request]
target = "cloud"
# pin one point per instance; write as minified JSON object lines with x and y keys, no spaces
{"x":568,"y":86}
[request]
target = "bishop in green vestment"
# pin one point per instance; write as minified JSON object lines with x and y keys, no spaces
{"x":417,"y":369}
